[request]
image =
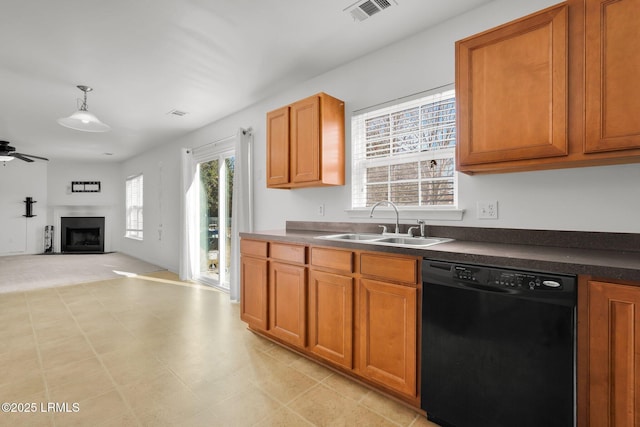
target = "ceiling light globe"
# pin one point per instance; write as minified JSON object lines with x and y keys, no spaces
{"x":84,"y":121}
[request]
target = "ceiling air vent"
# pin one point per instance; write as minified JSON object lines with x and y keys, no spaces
{"x":177,"y":113}
{"x":361,"y":10}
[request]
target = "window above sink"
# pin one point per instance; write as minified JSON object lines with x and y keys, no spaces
{"x":404,"y":151}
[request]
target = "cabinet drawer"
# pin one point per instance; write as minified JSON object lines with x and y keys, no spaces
{"x":290,"y":253}
{"x":332,"y":258}
{"x":253,"y":247}
{"x":388,"y":267}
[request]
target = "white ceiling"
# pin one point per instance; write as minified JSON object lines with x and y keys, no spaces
{"x":144,"y":58}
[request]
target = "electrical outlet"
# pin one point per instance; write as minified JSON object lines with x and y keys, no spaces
{"x":321,"y":209}
{"x":487,"y":209}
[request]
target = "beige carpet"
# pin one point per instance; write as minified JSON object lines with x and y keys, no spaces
{"x":20,"y":273}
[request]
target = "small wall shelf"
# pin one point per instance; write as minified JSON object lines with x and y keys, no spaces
{"x":28,"y":204}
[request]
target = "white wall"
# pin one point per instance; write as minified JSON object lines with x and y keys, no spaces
{"x":62,"y":173}
{"x":590,"y":199}
{"x":161,"y":172}
{"x":18,"y":180}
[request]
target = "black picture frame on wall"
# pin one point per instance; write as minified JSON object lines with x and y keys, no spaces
{"x":85,"y":186}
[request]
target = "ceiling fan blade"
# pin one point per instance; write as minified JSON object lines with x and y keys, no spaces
{"x":30,"y":155}
{"x":21,"y":157}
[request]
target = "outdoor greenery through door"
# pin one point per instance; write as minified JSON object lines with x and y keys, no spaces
{"x":216,"y":189}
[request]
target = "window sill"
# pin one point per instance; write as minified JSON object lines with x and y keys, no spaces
{"x":449,"y":214}
{"x":139,"y":239}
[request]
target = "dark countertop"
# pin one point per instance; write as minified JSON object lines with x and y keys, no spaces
{"x":580,"y":257}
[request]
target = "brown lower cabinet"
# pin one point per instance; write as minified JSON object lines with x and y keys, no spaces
{"x":331,"y":317}
{"x":609,"y":366}
{"x":288,"y":293}
{"x":339,"y":307}
{"x":253,"y":283}
{"x":287,"y":303}
{"x":388,"y":334}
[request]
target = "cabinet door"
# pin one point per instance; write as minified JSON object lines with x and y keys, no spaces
{"x":278,"y":147}
{"x":331,"y":317}
{"x":388,"y":340}
{"x":287,"y":302}
{"x":512,"y":91}
{"x":305,"y":140}
{"x":614,"y":355}
{"x":253,"y":288}
{"x":612,"y":98}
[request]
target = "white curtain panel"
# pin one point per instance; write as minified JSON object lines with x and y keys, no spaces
{"x":189,"y":242}
{"x":242,"y":205}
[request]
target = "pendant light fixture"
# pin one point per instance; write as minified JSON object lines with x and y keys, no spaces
{"x":82,"y":119}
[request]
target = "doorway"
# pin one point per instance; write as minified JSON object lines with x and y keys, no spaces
{"x":215,"y":178}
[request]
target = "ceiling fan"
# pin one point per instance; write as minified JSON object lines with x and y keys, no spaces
{"x":8,"y":153}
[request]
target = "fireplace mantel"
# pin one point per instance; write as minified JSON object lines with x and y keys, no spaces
{"x":78,"y":211}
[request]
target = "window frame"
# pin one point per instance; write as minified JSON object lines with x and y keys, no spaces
{"x":358,"y":170}
{"x":134,"y":229}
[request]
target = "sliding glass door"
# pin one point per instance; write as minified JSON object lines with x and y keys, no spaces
{"x":216,"y":190}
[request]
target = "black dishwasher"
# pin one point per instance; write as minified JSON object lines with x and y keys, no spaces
{"x":498,"y":346}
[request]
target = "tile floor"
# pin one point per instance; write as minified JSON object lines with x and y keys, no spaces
{"x":151,"y":351}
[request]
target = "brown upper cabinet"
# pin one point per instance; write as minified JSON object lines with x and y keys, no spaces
{"x":613,"y":65}
{"x":512,"y":91}
{"x":305,"y":143}
{"x":555,"y":89}
{"x":278,"y":147}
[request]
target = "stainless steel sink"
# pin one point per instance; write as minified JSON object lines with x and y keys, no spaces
{"x":387,"y":240}
{"x":352,"y":236}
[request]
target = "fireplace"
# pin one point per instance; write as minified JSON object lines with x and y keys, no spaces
{"x":82,"y":234}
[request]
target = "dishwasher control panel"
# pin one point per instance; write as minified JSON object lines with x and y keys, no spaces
{"x":541,"y":286}
{"x":509,"y":279}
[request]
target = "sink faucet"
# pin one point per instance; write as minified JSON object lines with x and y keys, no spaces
{"x":395,"y":208}
{"x":421,"y":225}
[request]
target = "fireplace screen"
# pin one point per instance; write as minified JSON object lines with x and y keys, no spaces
{"x":82,"y":234}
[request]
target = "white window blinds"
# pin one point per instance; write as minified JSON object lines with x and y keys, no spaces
{"x":405,"y":153}
{"x":134,"y":205}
